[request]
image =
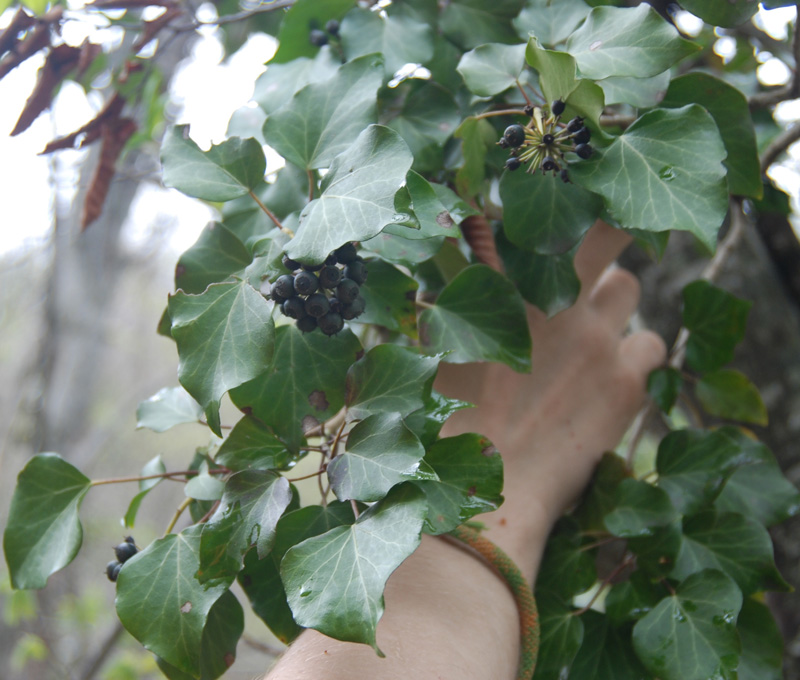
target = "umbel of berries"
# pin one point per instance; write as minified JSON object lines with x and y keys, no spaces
{"x":123,"y":552}
{"x":325,"y":295}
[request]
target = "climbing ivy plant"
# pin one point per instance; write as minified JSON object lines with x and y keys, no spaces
{"x":400,"y":123}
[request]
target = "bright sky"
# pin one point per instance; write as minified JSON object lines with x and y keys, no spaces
{"x":208,"y":92}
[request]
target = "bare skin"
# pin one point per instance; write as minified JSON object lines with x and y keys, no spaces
{"x":447,"y":614}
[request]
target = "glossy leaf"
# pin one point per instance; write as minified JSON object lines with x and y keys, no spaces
{"x":216,"y":255}
{"x":278,"y":84}
{"x":470,"y":23}
{"x":224,"y":172}
{"x":252,"y":445}
{"x":630,"y":600}
{"x":155,"y":466}
{"x":566,"y":570}
{"x":664,"y":172}
{"x":692,"y":635}
{"x":380,"y":453}
{"x":162,"y":605}
{"x":730,"y":394}
{"x":639,"y":508}
{"x":606,"y":652}
{"x":760,"y":492}
{"x":664,"y":386}
{"x":427,"y":421}
{"x":403,"y":251}
{"x":204,"y":486}
{"x":551,"y":22}
{"x":558,"y":74}
{"x":726,"y":13}
{"x":657,"y":553}
{"x":642,"y":93}
{"x":717,"y":323}
{"x":43,"y":532}
{"x":479,"y":316}
{"x":225,"y":338}
{"x":389,"y":378}
{"x":357,"y":198}
{"x":168,"y":407}
{"x":304,"y":385}
{"x":762,"y":643}
{"x":470,"y":475}
{"x":334,"y":582}
{"x":323,"y":119}
{"x":561,"y":637}
{"x":389,"y":295}
{"x":433,"y":217}
{"x":732,"y":543}
{"x":729,"y":108}
{"x":635,"y":41}
{"x":600,"y":495}
{"x":544,"y":214}
{"x":492,"y":68}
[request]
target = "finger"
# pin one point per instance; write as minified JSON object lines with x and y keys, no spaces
{"x":601,"y":246}
{"x":643,"y":352}
{"x":615,"y":296}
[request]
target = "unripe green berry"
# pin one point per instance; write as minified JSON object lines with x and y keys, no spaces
{"x":306,"y":283}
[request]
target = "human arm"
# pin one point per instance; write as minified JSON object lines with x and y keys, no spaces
{"x":447,"y":614}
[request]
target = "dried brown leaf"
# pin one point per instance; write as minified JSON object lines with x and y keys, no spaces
{"x":21,"y":22}
{"x":92,"y":130}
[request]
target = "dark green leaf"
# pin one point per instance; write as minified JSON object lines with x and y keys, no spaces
{"x":225,"y":338}
{"x":730,"y":542}
{"x":626,"y":41}
{"x":323,"y":119}
{"x":632,"y":599}
{"x":557,"y":70}
{"x":252,"y":445}
{"x":470,"y":23}
{"x":639,"y":508}
{"x":427,"y":422}
{"x":545,"y":215}
{"x":692,"y":635}
{"x":606,"y":652}
{"x":43,"y":533}
{"x":224,"y":172}
{"x":717,"y":323}
{"x":561,"y":637}
{"x":304,"y":386}
{"x":643,"y":93}
{"x":389,"y":295}
{"x":729,"y":108}
{"x":600,"y":495}
{"x":216,"y":255}
{"x":204,"y":486}
{"x":403,"y":251}
{"x":551,"y":22}
{"x":261,"y":579}
{"x":168,"y":407}
{"x":304,"y":15}
{"x":162,"y":605}
{"x":656,"y":554}
{"x":664,"y":386}
{"x":476,"y":136}
{"x":490,"y":69}
{"x":155,"y":466}
{"x":762,"y":643}
{"x":566,"y":570}
{"x":664,"y":172}
{"x":432,"y":215}
{"x":381,"y":452}
{"x":278,"y":84}
{"x":727,"y":13}
{"x":479,"y":316}
{"x":357,"y":198}
{"x":729,"y":394}
{"x":470,"y":475}
{"x":389,"y":378}
{"x":334,"y":582}
{"x":760,"y":492}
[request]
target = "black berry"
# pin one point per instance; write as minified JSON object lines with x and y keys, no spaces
{"x":317,"y":305}
{"x":294,"y":308}
{"x":112,"y":570}
{"x":312,"y":267}
{"x":514,"y":135}
{"x":307,"y":324}
{"x":317,"y":38}
{"x":354,"y":309}
{"x":584,"y":150}
{"x":329,"y":277}
{"x":557,"y":107}
{"x":548,"y":139}
{"x":306,"y":283}
{"x":290,"y":264}
{"x":331,"y":323}
{"x":347,"y":291}
{"x":564,"y":175}
{"x":528,"y":110}
{"x":346,"y":254}
{"x":124,"y":551}
{"x":513,"y":163}
{"x":331,"y":259}
{"x":357,"y":271}
{"x":548,"y":164}
{"x":575,"y":124}
{"x":283,"y":288}
{"x":582,"y":136}
{"x":335,"y":303}
{"x":332,"y":27}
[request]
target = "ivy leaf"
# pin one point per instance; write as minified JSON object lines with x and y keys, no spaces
{"x":323,"y":119}
{"x":389,"y":295}
{"x":293,"y":35}
{"x":224,"y":172}
{"x":216,"y":255}
{"x":664,"y":172}
{"x":492,"y":68}
{"x":334,"y":582}
{"x":43,"y":533}
{"x":558,"y":74}
{"x":630,"y":41}
{"x":729,"y":394}
{"x":762,"y":643}
{"x":389,"y":378}
{"x":600,"y":494}
{"x":225,"y":337}
{"x":656,"y":554}
{"x":630,"y":600}
{"x":434,"y":219}
{"x":469,"y":23}
{"x":543,"y":216}
{"x":304,"y":385}
{"x":692,"y":635}
{"x":639,"y":508}
{"x":252,"y":445}
{"x":725,"y":13}
{"x":479,"y":316}
{"x":251,"y":505}
{"x":168,"y":407}
{"x":204,"y":486}
{"x":476,"y":136}
{"x":381,"y":452}
{"x":160,"y":602}
{"x":357,"y":198}
{"x":407,"y":252}
{"x":760,"y":492}
{"x":278,"y":84}
{"x":717,"y":323}
{"x":561,"y":636}
{"x":606,"y":652}
{"x":643,"y":93}
{"x":261,"y":579}
{"x":427,"y":421}
{"x":566,"y":569}
{"x":664,"y":386}
{"x":154,"y":466}
{"x":730,"y":542}
{"x":470,"y":473}
{"x":550,"y":22}
{"x":729,"y":108}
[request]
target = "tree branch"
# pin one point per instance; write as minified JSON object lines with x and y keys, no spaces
{"x":778,"y":145}
{"x":774,"y":96}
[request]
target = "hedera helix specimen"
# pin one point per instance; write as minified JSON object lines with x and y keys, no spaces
{"x":409,"y":155}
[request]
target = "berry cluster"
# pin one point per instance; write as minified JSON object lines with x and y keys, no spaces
{"x":302,"y":295}
{"x":124,"y":551}
{"x":319,"y":38}
{"x":543,"y":142}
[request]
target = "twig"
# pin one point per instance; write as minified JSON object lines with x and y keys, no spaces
{"x":778,"y":145}
{"x":260,"y":646}
{"x":501,"y":112}
{"x":322,"y":469}
{"x":177,"y":515}
{"x":97,"y":661}
{"x":524,"y":94}
{"x":617,"y":121}
{"x":424,"y":305}
{"x":617,"y":570}
{"x":271,"y":215}
{"x":179,"y":473}
{"x":232,"y":18}
{"x":311,"y":184}
{"x":764,"y":100}
{"x":210,"y":512}
{"x":354,"y":505}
